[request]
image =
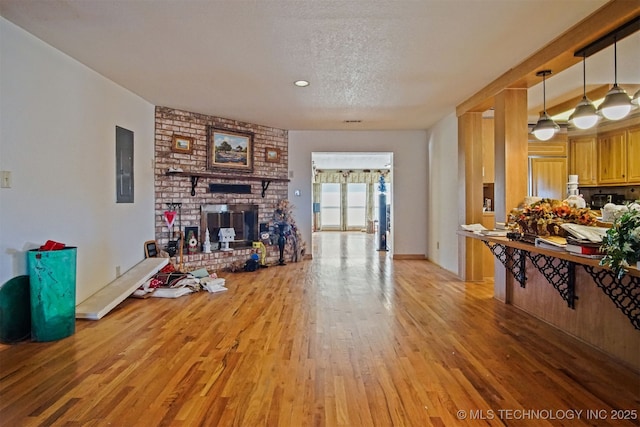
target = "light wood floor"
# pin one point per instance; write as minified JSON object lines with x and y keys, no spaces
{"x":351,"y":338}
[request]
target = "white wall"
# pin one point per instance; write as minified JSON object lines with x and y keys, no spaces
{"x":443,"y":187}
{"x":409,"y":192}
{"x":57,"y":137}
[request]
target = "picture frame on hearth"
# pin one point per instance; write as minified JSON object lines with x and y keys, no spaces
{"x":188,"y":230}
{"x":272,"y":155}
{"x":182,"y":144}
{"x":230,"y":150}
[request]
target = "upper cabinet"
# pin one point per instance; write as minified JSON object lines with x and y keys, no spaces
{"x":612,"y":158}
{"x":548,"y":167}
{"x":548,"y":177}
{"x":609,"y":156}
{"x":488,"y":154}
{"x":633,"y":154}
{"x":583,"y":160}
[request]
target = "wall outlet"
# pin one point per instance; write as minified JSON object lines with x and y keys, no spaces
{"x":118,"y":274}
{"x":437,"y":245}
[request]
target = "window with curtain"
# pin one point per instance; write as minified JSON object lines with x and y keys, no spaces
{"x":356,"y":205}
{"x":347,"y":200}
{"x":330,"y":206}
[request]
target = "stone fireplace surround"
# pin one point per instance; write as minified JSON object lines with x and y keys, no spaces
{"x":177,"y":188}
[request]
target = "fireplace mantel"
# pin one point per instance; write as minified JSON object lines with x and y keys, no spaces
{"x":195,"y":177}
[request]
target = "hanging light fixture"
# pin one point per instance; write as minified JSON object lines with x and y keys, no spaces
{"x":546,"y":127}
{"x":584,"y":116}
{"x":616,"y":104}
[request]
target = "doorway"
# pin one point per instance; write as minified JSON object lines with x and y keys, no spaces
{"x":347,"y":194}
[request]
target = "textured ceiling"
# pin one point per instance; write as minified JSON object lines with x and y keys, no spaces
{"x":393,"y":64}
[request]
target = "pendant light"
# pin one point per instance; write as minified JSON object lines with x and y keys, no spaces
{"x":616,"y":104}
{"x":584,"y":116}
{"x":546,"y":127}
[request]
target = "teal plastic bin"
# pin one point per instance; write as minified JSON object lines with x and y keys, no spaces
{"x":52,"y":279}
{"x":15,"y":310}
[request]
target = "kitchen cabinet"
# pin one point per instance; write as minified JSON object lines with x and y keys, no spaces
{"x":612,"y":157}
{"x":548,"y":177}
{"x":548,"y":168}
{"x":583,"y":160}
{"x":488,"y":154}
{"x":633,"y":155}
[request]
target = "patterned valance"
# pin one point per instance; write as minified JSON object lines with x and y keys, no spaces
{"x":351,"y":176}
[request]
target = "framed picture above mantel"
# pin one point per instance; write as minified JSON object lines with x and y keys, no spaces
{"x":229,"y":150}
{"x":272,"y":155}
{"x":182,"y":144}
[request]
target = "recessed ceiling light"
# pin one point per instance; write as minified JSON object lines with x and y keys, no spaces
{"x":301,"y":83}
{"x":353,"y":121}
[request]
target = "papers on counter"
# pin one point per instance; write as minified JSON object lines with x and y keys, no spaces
{"x":475,"y":228}
{"x":551,"y":242}
{"x":480,"y":229}
{"x":585,"y":232}
{"x":502,"y":233}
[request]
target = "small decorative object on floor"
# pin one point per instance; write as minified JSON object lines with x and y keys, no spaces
{"x":281,"y":241}
{"x":252,"y":264}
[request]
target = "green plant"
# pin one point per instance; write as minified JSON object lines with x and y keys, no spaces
{"x":621,"y":243}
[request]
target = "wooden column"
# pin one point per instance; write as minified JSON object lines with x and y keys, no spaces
{"x":511,"y":167}
{"x":470,"y":196}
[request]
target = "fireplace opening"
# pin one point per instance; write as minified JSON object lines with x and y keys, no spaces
{"x":243,"y":218}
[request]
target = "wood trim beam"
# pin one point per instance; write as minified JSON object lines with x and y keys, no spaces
{"x":593,"y":95}
{"x":558,"y":55}
{"x":570,"y":104}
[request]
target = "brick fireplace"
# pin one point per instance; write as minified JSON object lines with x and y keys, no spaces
{"x":176,"y":188}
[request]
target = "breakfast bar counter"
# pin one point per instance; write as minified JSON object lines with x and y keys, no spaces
{"x":570,"y":292}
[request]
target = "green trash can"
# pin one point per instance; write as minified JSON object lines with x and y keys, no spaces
{"x":52,"y":279}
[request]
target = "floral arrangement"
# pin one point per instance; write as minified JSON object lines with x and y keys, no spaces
{"x":283,"y":214}
{"x":543,"y":218}
{"x":621,"y":243}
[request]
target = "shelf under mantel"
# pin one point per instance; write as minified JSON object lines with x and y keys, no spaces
{"x":195,"y":177}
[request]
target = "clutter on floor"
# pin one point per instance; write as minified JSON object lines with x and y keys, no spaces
{"x":169,"y":283}
{"x":108,"y":297}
